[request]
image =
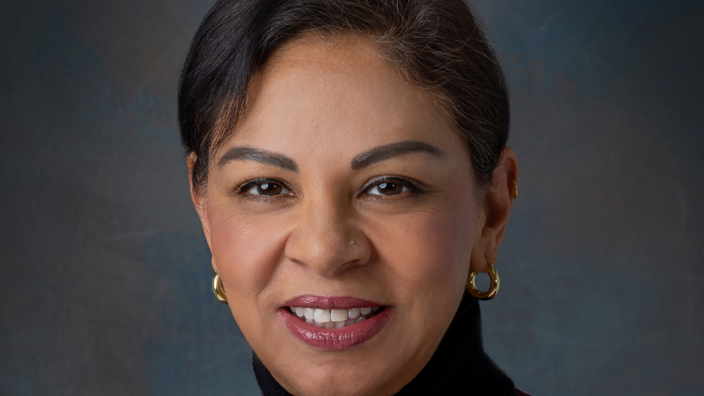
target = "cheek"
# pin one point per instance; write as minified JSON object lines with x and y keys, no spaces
{"x":245,"y":251}
{"x":428,"y":252}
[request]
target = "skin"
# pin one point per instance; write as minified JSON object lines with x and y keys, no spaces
{"x":320,"y":103}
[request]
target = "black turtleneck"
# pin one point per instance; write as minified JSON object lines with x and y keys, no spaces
{"x":459,"y":366}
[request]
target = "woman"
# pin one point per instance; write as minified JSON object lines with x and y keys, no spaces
{"x":348,"y":164}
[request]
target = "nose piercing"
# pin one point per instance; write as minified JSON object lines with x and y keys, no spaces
{"x":353,"y":242}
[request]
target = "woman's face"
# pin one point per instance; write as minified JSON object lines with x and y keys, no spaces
{"x":342,"y":187}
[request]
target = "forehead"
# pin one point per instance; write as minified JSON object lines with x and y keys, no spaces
{"x":336,"y":90}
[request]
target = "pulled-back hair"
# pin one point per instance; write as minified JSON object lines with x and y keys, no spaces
{"x":435,"y":44}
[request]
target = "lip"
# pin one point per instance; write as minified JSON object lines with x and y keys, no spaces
{"x":320,"y":302}
{"x":333,"y":339}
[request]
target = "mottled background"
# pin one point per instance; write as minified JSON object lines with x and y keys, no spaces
{"x":104,"y":285}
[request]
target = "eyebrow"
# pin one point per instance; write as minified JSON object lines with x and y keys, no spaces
{"x":244,"y":153}
{"x":369,"y":157}
{"x":393,"y":150}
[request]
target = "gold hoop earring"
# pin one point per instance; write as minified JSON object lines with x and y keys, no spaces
{"x":493,"y":287}
{"x":515,"y":189}
{"x":218,"y":290}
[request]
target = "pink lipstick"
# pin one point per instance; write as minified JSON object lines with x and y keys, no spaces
{"x":334,"y":323}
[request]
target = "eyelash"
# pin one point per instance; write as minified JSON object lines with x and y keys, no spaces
{"x":410,"y":183}
{"x":242,"y":189}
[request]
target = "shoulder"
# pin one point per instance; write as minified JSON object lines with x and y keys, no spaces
{"x":519,"y":393}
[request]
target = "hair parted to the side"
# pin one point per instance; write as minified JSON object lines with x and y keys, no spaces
{"x":435,"y":44}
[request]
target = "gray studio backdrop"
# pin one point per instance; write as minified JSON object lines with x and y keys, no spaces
{"x":105,"y":274}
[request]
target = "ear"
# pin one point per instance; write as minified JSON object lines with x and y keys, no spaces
{"x":200,"y":203}
{"x":497,"y":204}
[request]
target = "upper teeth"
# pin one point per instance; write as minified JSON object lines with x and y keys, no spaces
{"x":333,"y":317}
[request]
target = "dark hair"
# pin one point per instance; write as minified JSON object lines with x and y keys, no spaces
{"x":435,"y":44}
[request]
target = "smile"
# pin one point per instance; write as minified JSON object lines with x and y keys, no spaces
{"x":334,"y":318}
{"x":334,"y":322}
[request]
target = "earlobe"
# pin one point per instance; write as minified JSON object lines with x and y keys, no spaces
{"x":212,"y":264}
{"x":497,"y":205}
{"x":484,"y":251}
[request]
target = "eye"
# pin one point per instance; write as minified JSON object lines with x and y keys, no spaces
{"x":386,"y":188}
{"x":266,"y":188}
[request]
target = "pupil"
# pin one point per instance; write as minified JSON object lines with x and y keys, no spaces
{"x":269,"y":188}
{"x":389,"y":188}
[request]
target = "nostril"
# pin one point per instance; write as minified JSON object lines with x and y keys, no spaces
{"x":327,"y":251}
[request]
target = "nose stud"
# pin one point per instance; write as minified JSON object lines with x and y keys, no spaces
{"x":353,"y":242}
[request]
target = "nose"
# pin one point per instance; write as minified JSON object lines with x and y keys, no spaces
{"x":326,"y":239}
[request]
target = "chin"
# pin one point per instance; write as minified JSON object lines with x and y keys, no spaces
{"x":341,"y":381}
